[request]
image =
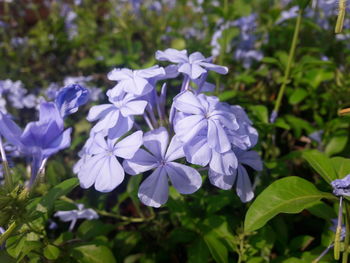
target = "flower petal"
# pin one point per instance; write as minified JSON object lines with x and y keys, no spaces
{"x":142,"y":161}
{"x":189,"y":127}
{"x":127,"y":147}
{"x":172,"y":55}
{"x":99,"y":111}
{"x":111,"y":175}
{"x":90,"y":170}
{"x":244,"y":187}
{"x":187,"y":102}
{"x":185,"y":179}
{"x":175,"y":150}
{"x":222,"y":181}
{"x":136,"y":107}
{"x":197,"y":151}
{"x":154,"y":190}
{"x":223,"y":163}
{"x":217,"y":137}
{"x":156,"y":141}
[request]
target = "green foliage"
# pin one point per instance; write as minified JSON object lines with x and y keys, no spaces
{"x":287,"y":195}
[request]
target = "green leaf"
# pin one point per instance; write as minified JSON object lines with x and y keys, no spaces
{"x":51,"y":252}
{"x":59,"y":190}
{"x":321,"y":164}
{"x":297,"y":96}
{"x":260,"y":112}
{"x":216,"y":247}
{"x":341,"y":166}
{"x":287,"y":195}
{"x":198,"y":252}
{"x":337,"y":143}
{"x":93,"y":253}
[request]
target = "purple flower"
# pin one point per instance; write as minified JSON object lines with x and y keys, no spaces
{"x":243,"y":187}
{"x":204,"y":113}
{"x":73,"y":215}
{"x":193,"y":65}
{"x":159,"y":156}
{"x":137,"y":82}
{"x":341,"y":187}
{"x":70,"y":98}
{"x":117,"y":118}
{"x":39,"y":139}
{"x":101,"y":166}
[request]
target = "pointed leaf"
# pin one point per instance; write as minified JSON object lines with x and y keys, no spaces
{"x":321,"y":164}
{"x":287,"y":195}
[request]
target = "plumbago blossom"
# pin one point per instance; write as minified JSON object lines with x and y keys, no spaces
{"x":73,"y":215}
{"x":198,"y":129}
{"x":41,"y":139}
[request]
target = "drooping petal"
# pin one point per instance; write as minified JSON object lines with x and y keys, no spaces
{"x":223,"y":163}
{"x":142,"y":161}
{"x":154,"y":190}
{"x":175,"y":150}
{"x":244,"y":187}
{"x":156,"y":141}
{"x":48,"y":112}
{"x":197,"y":151}
{"x":185,"y":179}
{"x":250,"y":158}
{"x":222,"y":181}
{"x":127,"y":147}
{"x":111,"y":174}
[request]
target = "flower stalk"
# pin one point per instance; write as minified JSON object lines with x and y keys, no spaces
{"x":289,"y":65}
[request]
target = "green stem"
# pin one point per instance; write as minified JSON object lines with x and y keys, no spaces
{"x":347,"y":236}
{"x":7,"y":233}
{"x":289,"y":62}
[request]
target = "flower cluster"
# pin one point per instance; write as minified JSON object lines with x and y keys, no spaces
{"x":196,"y":129}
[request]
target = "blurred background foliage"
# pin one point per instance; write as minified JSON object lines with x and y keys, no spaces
{"x":43,"y":42}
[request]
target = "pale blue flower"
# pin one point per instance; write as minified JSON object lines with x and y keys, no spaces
{"x":161,"y":156}
{"x":137,"y":82}
{"x":204,"y":113}
{"x":116,"y":118}
{"x":341,"y":187}
{"x":101,"y":166}
{"x":193,"y":65}
{"x":73,"y":215}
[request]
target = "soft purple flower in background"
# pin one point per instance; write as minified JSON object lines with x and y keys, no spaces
{"x":103,"y":168}
{"x":69,"y":99}
{"x":69,"y":20}
{"x":193,"y":65}
{"x":116,"y":118}
{"x":154,"y":190}
{"x":137,"y":82}
{"x":288,"y":14}
{"x":52,"y":90}
{"x":73,"y":215}
{"x":341,"y":187}
{"x":40,"y":139}
{"x":243,"y":185}
{"x":204,"y":113}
